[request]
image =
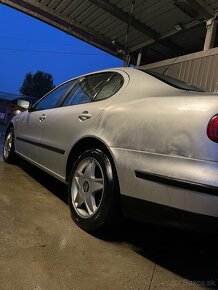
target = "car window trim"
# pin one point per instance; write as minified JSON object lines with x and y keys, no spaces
{"x":93,"y":100}
{"x":61,"y":100}
{"x":169,"y":81}
{"x":66,"y":95}
{"x":32,"y":109}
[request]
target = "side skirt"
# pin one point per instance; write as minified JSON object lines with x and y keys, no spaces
{"x":43,"y":168}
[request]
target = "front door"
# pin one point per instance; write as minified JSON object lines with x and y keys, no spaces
{"x":30,"y":124}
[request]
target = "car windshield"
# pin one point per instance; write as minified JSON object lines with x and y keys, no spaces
{"x":173,"y":82}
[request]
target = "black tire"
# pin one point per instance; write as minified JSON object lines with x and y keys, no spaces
{"x":83,"y":182}
{"x":9,"y":155}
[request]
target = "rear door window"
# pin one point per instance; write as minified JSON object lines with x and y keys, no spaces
{"x":94,"y":88}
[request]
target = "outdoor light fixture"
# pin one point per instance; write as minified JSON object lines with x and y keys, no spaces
{"x":178,"y":27}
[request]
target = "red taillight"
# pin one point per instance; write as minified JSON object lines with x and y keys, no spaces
{"x":212,"y":129}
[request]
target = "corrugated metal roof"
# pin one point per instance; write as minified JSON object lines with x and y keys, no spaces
{"x":213,"y":4}
{"x":155,"y":26}
{"x":188,"y":39}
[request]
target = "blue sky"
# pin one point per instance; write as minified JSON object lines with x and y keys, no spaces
{"x":28,"y":45}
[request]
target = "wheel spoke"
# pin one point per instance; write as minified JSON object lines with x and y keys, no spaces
{"x":90,"y":169}
{"x":77,"y":181}
{"x":90,"y":204}
{"x":79,"y":173}
{"x":9,"y":137}
{"x":96,"y":184}
{"x":8,"y":145}
{"x":79,"y":199}
{"x":78,"y":196}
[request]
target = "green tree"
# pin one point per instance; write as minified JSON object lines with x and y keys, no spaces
{"x":37,"y":85}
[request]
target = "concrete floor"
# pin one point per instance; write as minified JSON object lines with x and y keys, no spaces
{"x":42,"y":249}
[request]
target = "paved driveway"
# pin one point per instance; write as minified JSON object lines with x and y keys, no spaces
{"x":42,"y":249}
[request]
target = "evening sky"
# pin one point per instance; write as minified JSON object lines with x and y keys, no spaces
{"x":28,"y":45}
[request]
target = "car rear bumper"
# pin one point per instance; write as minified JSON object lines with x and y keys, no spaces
{"x":159,"y":214}
{"x":186,"y":184}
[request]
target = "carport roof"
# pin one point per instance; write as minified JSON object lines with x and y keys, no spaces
{"x":160,"y":29}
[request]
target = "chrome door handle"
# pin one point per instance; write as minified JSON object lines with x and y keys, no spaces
{"x":42,"y":118}
{"x":84,"y":116}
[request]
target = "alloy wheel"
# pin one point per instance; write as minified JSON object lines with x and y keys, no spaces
{"x":8,"y":144}
{"x":87,"y":187}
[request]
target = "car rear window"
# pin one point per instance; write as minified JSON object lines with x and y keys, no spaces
{"x":173,"y":82}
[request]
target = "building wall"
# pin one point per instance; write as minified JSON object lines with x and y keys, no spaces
{"x":199,"y":69}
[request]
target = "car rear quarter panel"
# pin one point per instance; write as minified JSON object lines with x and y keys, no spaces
{"x":161,"y":130}
{"x":153,"y":117}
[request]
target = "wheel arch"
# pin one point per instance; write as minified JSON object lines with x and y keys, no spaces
{"x":109,"y":212}
{"x":10,"y":125}
{"x":85,"y":144}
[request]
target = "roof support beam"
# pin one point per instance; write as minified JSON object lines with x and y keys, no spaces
{"x":113,"y":10}
{"x":166,"y":35}
{"x":202,"y":8}
{"x":120,"y":14}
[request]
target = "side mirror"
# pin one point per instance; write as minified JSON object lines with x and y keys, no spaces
{"x":23,"y":104}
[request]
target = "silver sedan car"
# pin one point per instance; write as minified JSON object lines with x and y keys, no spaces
{"x":126,"y":142}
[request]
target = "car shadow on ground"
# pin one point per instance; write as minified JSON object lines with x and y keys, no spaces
{"x":53,"y":185}
{"x":193,"y":256}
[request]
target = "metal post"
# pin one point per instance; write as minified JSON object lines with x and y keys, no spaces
{"x":127,"y":59}
{"x":139,"y":58}
{"x":126,"y":62}
{"x":211,"y":32}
